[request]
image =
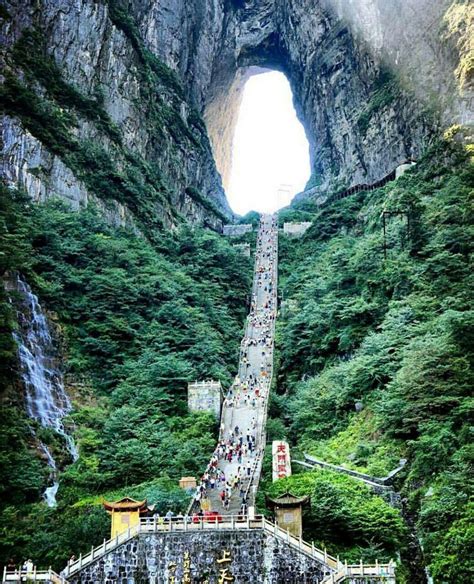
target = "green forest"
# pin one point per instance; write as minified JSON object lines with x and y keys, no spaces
{"x":119,"y":128}
{"x":136,"y":322}
{"x":375,"y":354}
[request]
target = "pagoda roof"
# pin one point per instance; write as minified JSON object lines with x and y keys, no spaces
{"x":288,"y":500}
{"x":125,"y":504}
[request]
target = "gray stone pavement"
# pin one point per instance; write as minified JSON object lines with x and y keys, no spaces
{"x":246,"y":408}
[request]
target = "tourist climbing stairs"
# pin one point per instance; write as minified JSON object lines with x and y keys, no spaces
{"x":244,"y":412}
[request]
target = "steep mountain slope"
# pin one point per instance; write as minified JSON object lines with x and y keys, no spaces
{"x":376,"y":360}
{"x":92,"y":114}
{"x":116,"y":88}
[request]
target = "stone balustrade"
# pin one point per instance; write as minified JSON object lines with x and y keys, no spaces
{"x":268,"y":552}
{"x":31,"y":576}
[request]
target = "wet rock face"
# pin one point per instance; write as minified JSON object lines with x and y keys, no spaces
{"x":251,"y":557}
{"x":362,"y":72}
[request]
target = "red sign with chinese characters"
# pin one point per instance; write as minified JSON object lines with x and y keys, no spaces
{"x":281,"y":460}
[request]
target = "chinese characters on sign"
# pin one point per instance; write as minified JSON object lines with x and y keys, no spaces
{"x":223,"y":565}
{"x":187,"y":569}
{"x":225,"y":575}
{"x":281,"y":460}
{"x":172,"y":573}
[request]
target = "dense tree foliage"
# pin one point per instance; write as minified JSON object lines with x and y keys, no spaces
{"x":374,"y":363}
{"x":137,"y":322}
{"x":345,"y":513}
{"x":375,"y":353}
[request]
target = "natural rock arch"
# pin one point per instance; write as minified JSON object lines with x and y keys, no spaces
{"x":360,"y":72}
{"x":361,"y":119}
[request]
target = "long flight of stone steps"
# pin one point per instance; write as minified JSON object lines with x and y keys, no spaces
{"x":252,"y":362}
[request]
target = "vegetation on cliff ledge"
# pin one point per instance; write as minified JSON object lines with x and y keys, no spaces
{"x":52,"y":109}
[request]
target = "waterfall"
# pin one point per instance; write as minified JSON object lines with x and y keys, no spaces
{"x":46,"y":399}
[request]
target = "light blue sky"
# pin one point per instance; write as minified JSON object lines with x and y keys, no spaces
{"x":270,"y":148}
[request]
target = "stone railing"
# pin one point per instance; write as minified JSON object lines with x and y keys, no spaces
{"x":364,"y":572}
{"x":229,"y":523}
{"x":32,"y":576}
{"x":380,"y":485}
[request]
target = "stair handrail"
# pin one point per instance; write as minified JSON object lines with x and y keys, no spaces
{"x":377,"y":569}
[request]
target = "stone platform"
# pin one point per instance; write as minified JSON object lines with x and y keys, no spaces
{"x":232,"y":549}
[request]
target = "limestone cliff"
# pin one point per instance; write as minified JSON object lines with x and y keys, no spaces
{"x":364,"y":75}
{"x":91,"y":114}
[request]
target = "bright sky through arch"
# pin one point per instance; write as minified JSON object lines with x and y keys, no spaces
{"x":270,"y":154}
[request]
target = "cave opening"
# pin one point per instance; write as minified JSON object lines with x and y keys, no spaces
{"x":259,"y":144}
{"x":270,"y":152}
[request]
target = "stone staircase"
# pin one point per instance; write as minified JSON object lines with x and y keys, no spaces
{"x":232,"y":415}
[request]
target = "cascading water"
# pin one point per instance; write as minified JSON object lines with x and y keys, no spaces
{"x":46,"y":399}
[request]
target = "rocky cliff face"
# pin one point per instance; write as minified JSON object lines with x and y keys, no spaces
{"x":91,"y":114}
{"x":138,"y":74}
{"x":372,"y":80}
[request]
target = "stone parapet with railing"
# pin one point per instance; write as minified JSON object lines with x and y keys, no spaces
{"x":380,"y":485}
{"x":382,"y":481}
{"x":31,"y":576}
{"x":363,"y":573}
{"x":257,"y":548}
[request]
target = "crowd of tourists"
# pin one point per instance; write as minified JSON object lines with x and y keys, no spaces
{"x":239,"y":449}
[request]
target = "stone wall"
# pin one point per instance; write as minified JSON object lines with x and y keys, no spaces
{"x":296,"y":229}
{"x":205,"y":396}
{"x":250,"y":556}
{"x":243,"y":248}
